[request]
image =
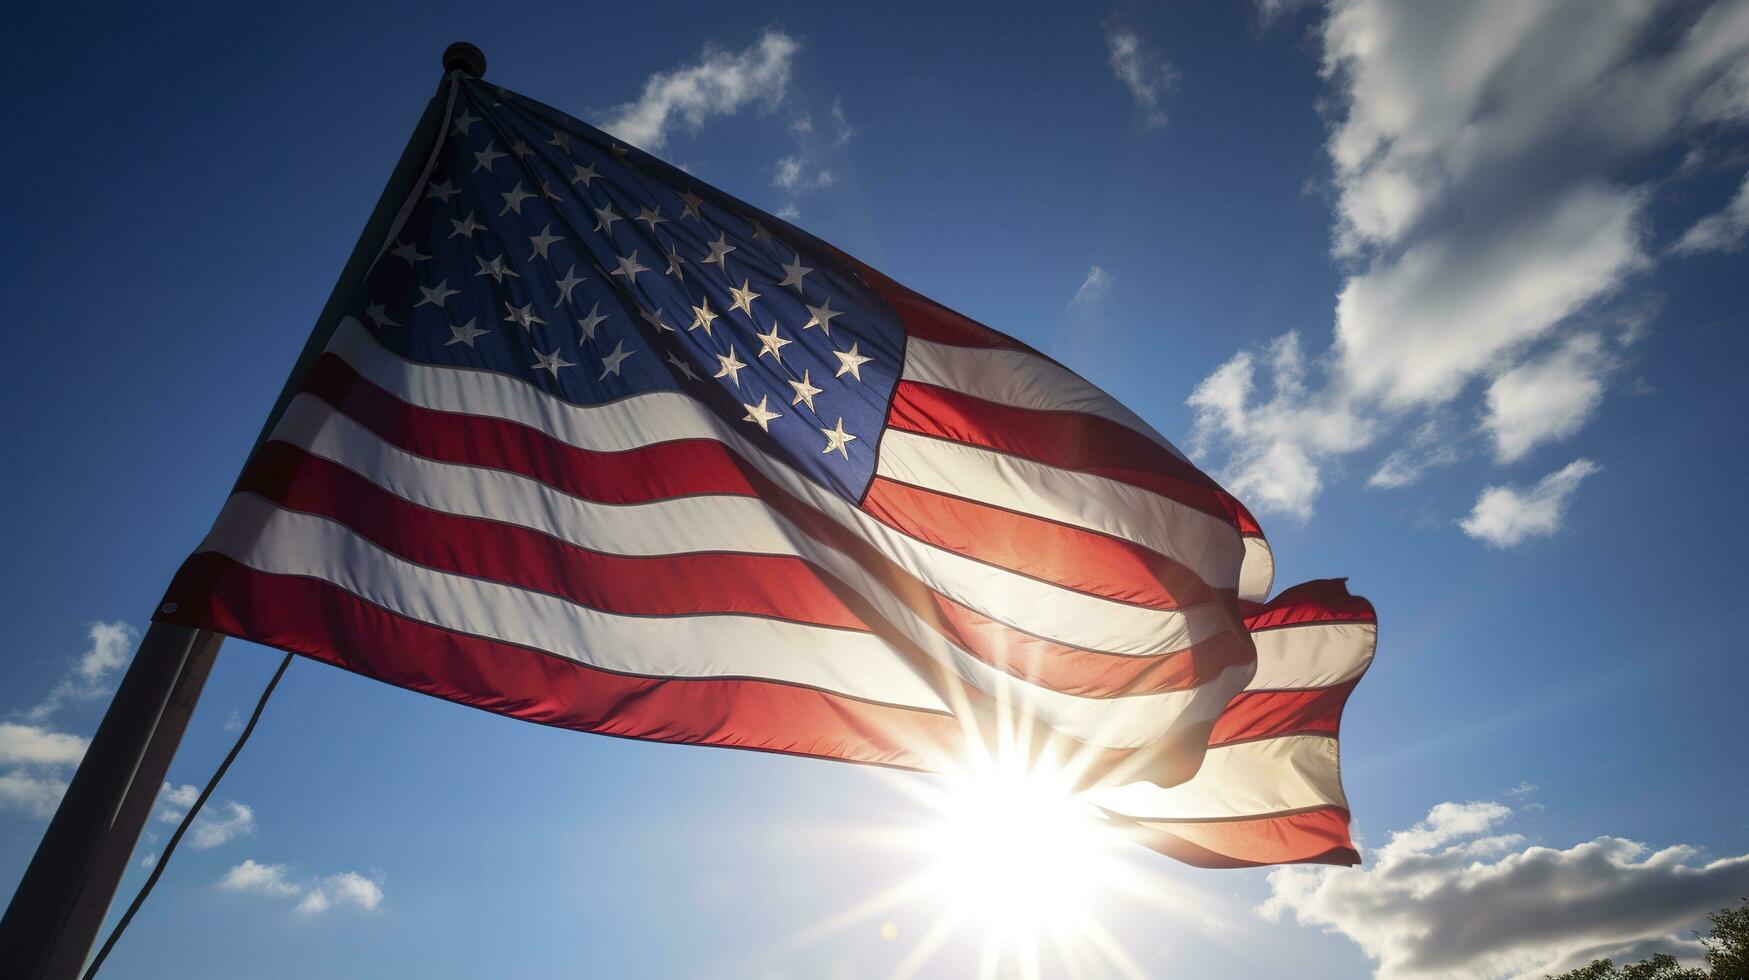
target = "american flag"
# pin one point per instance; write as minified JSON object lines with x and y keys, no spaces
{"x":599,"y":446}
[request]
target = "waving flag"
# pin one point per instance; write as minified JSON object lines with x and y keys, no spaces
{"x":602,"y":447}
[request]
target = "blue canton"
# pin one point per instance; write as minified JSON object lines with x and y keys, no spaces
{"x":542,"y":249}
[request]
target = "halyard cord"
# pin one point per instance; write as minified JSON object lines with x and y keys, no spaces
{"x":187,"y":819}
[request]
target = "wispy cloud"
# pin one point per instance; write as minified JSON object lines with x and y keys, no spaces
{"x":88,"y":678}
{"x":810,"y":166}
{"x":1722,"y":231}
{"x":720,"y":83}
{"x":317,"y":895}
{"x":1490,"y":204}
{"x":1455,"y":896}
{"x":219,"y":822}
{"x":1094,"y":291}
{"x":1505,"y":516}
{"x":1148,"y":76}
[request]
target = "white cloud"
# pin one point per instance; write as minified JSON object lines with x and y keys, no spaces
{"x":1489,"y":163}
{"x":792,"y":175}
{"x":1722,"y":231}
{"x":720,"y":84}
{"x":1094,"y":291}
{"x":1274,"y":444}
{"x":37,"y":746}
{"x":345,"y":888}
{"x":807,"y":168}
{"x":110,"y":644}
{"x":219,"y":822}
{"x":1428,"y":447}
{"x":1147,"y":75}
{"x":1546,"y":399}
{"x":1455,"y":897}
{"x":253,"y":878}
{"x":318,"y":896}
{"x":34,"y":793}
{"x":1504,"y":516}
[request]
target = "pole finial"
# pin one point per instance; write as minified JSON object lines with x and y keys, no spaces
{"x":465,"y":58}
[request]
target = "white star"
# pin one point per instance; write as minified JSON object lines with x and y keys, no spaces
{"x":378,"y":315}
{"x":522,"y":150}
{"x":619,"y":151}
{"x":651,"y":217}
{"x":584,"y":174}
{"x":443,"y":191}
{"x":408,"y":251}
{"x":794,"y":272}
{"x":513,"y":199}
{"x":837,"y":439}
{"x":629,"y":267}
{"x":692,"y":202}
{"x":605,"y":217}
{"x":465,"y":122}
{"x":674,"y":263}
{"x":484,"y":159}
{"x":850,"y":362}
{"x":654,"y":319}
{"x":436,"y":295}
{"x":720,"y":250}
{"x":543,"y":241}
{"x":547,"y":192}
{"x":523,"y":316}
{"x":771,"y":343}
{"x":702,"y":315}
{"x":567,"y":284}
{"x":760,"y":231}
{"x":590,"y":322}
{"x":561,"y":139}
{"x":759,"y":414}
{"x":681,"y":366}
{"x":614,"y":360}
{"x":821,"y":316}
{"x":465,"y":333}
{"x":495,"y":269}
{"x":550,"y":362}
{"x":744,"y":298}
{"x":805,"y":391}
{"x":731,"y":366}
{"x":465,"y":227}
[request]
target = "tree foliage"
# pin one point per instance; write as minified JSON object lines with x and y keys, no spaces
{"x":1727,"y":956}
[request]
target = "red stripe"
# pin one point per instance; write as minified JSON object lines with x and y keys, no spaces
{"x":327,"y":623}
{"x":1318,"y":601}
{"x":708,"y":466}
{"x":1069,"y":440}
{"x":1069,"y":557}
{"x":1253,"y":715}
{"x":663,"y":470}
{"x":1317,"y":836}
{"x":777,"y":586}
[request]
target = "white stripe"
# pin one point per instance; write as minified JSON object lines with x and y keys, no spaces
{"x":1248,"y":779}
{"x":1036,"y":607}
{"x":1257,"y":571}
{"x":1312,"y":655}
{"x":741,"y":524}
{"x":253,"y":531}
{"x":1020,"y":380}
{"x":1206,"y":545}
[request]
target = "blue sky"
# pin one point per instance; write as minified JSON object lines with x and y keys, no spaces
{"x":1453,"y":298}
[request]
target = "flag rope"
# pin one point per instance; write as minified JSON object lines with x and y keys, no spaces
{"x":187,"y":819}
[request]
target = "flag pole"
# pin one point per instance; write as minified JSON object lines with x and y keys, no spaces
{"x":65,"y":893}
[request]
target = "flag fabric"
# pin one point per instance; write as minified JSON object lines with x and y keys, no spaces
{"x":599,"y":446}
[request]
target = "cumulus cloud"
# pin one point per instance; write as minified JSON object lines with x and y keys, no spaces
{"x":88,"y":678}
{"x":1147,"y":75}
{"x":1720,"y":232}
{"x":1458,"y":897}
{"x":720,"y":83}
{"x":347,"y":888}
{"x":37,"y":746}
{"x":1489,"y":172}
{"x":35,"y":793}
{"x":1548,"y":398}
{"x":219,"y":822}
{"x":1504,"y":515}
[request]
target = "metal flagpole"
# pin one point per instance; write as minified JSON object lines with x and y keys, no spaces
{"x":60,"y":903}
